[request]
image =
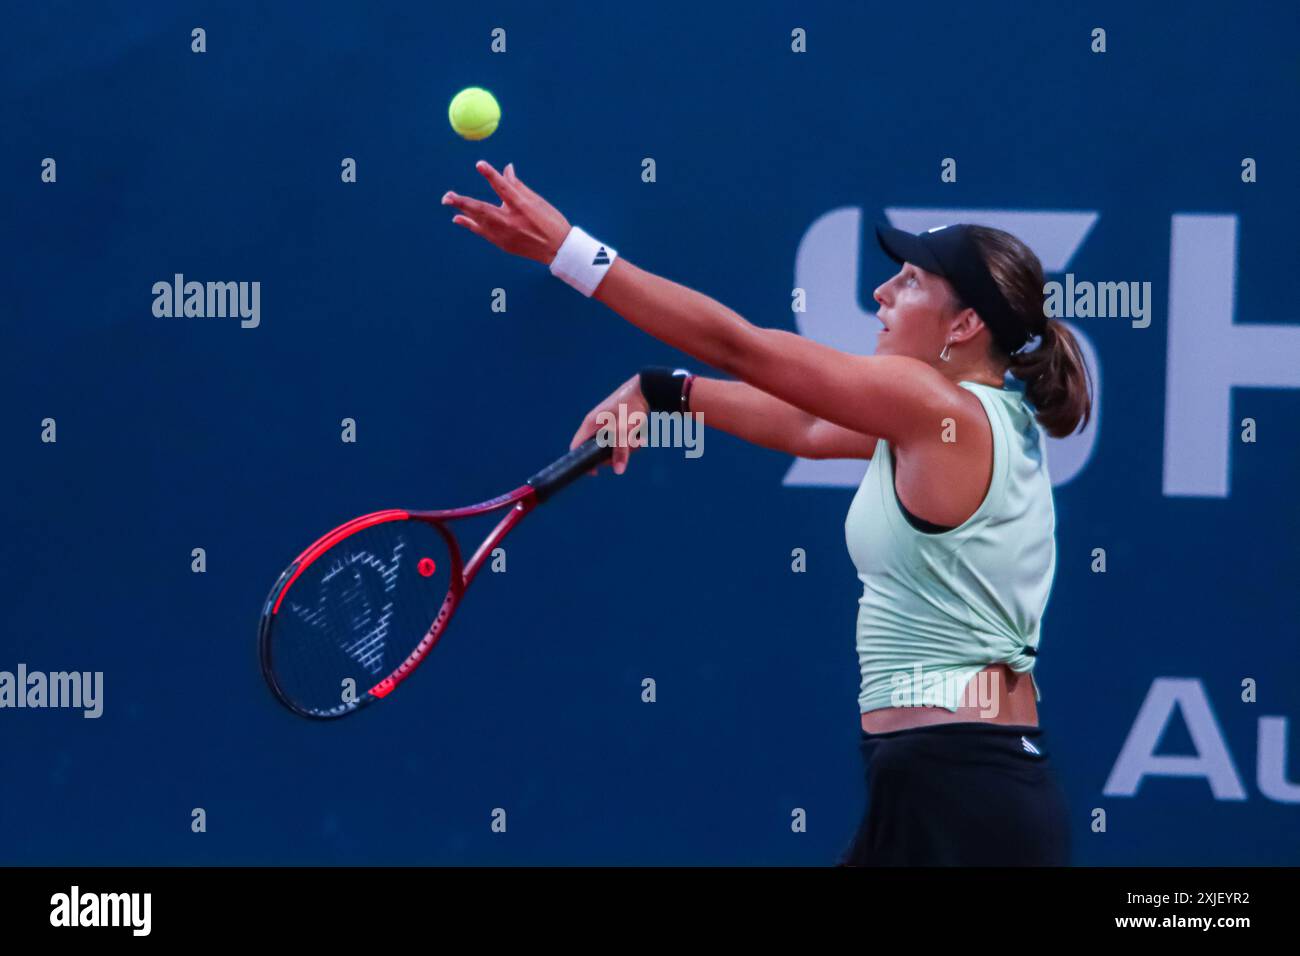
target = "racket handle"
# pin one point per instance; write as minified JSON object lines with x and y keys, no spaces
{"x":561,"y":472}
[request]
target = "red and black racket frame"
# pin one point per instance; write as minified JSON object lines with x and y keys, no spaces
{"x":520,"y":502}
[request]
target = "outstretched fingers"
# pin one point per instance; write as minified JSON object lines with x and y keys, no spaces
{"x":500,"y":185}
{"x":469,"y":224}
{"x":521,"y":188}
{"x":477,"y":208}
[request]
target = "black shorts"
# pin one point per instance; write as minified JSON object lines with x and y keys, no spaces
{"x":961,"y":794}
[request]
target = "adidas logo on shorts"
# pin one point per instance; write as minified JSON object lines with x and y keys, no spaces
{"x":1030,"y":748}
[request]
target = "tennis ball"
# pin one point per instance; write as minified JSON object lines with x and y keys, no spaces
{"x":474,"y":113}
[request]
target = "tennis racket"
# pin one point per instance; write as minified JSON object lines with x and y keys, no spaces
{"x":357,"y":612}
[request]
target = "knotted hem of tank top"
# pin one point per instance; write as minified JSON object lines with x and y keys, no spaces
{"x":1021,"y":662}
{"x":1027,"y":663}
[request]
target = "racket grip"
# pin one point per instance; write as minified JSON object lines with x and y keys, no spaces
{"x":558,"y":474}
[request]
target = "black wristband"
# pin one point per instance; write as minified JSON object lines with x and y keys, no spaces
{"x":662,"y":387}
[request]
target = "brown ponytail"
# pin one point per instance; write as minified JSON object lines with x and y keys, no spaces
{"x":1056,"y":381}
{"x":1055,"y":376}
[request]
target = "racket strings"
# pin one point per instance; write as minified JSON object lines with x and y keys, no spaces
{"x":356,"y":613}
{"x":369,"y":612}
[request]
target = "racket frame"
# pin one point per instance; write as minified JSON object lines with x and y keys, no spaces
{"x":520,"y":501}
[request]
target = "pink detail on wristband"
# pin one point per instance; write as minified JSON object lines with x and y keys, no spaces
{"x":686,"y":392}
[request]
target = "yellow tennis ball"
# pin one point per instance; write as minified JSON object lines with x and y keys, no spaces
{"x":474,"y":113}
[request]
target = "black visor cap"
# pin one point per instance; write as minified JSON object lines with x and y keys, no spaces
{"x":951,"y":252}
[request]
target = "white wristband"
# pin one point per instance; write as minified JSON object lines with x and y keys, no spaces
{"x":582,"y":261}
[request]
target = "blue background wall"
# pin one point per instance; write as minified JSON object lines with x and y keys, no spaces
{"x":183,"y":433}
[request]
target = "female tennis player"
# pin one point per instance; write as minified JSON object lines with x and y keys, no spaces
{"x":952,"y":530}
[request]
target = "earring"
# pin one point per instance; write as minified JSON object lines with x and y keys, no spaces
{"x":945,"y":353}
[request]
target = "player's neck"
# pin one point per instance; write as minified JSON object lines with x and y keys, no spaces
{"x":982,"y":373}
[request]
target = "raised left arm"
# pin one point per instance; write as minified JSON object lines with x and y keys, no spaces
{"x":894,"y":397}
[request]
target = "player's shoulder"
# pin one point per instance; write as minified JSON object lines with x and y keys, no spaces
{"x":956,"y":425}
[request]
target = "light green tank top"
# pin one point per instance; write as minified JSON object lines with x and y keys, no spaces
{"x":938,"y":608}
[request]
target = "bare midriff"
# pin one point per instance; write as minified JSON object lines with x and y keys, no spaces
{"x":1010,"y":701}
